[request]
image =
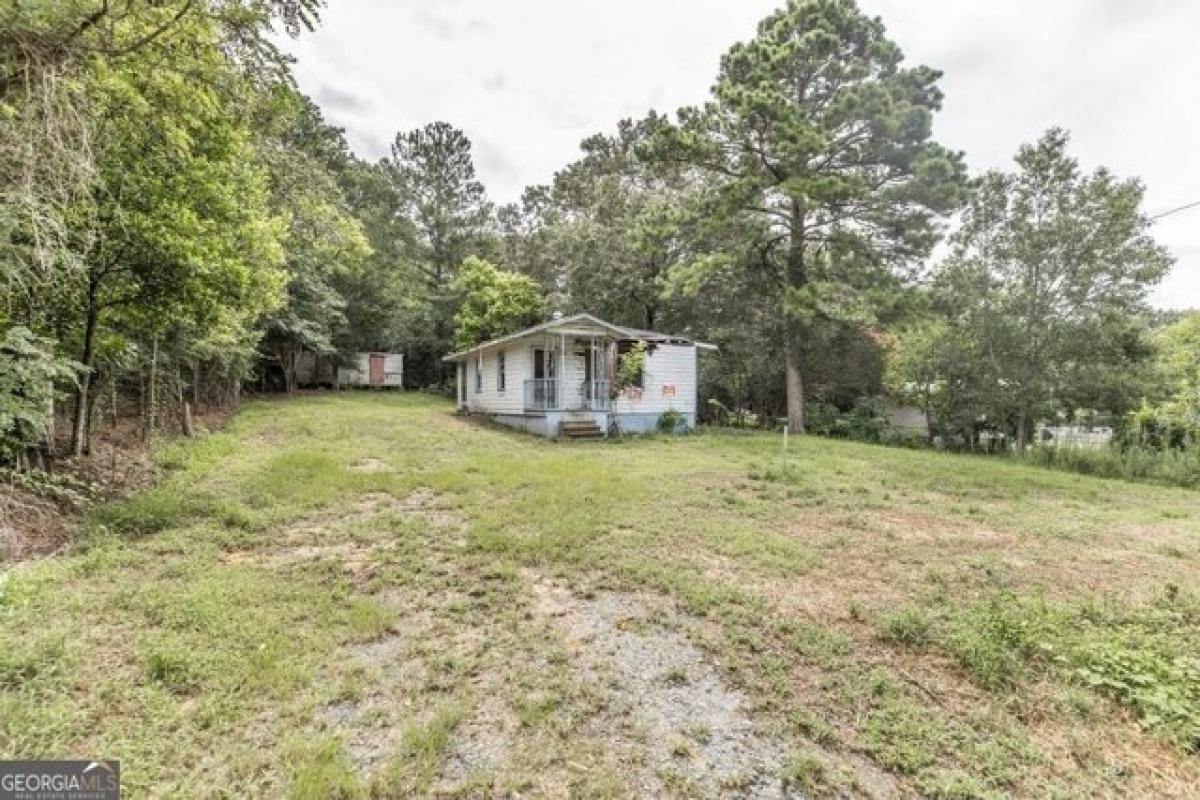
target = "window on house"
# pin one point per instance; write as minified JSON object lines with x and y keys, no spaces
{"x":479,"y":373}
{"x":638,"y":379}
{"x":500,"y":372}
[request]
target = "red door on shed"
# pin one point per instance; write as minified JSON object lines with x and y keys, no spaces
{"x":377,"y":369}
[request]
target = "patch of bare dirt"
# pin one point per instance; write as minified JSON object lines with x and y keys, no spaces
{"x":428,"y":504}
{"x":324,"y":535}
{"x":481,"y":743}
{"x":388,"y":669}
{"x":29,"y":524}
{"x":370,"y":465}
{"x":689,"y":722}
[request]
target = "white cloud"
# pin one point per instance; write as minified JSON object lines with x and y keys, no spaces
{"x":528,"y":80}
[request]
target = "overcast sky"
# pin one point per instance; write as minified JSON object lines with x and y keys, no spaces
{"x":528,"y":79}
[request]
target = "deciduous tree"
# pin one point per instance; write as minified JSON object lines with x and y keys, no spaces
{"x":494,"y":302}
{"x":1044,"y":294}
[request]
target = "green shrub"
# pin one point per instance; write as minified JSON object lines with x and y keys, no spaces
{"x":865,"y":422}
{"x":895,"y":437}
{"x":29,"y":373}
{"x":1171,"y":425}
{"x":670,"y":421}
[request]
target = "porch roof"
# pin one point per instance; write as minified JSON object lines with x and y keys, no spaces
{"x":564,"y":326}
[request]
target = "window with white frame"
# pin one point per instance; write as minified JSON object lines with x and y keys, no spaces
{"x":500,"y":371}
{"x":479,"y":373}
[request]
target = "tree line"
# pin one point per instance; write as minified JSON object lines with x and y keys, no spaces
{"x":179,"y":222}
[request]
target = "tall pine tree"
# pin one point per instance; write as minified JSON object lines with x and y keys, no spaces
{"x":818,"y":132}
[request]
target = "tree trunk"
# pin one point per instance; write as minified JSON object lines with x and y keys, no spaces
{"x":49,"y":441}
{"x":795,"y":387}
{"x":288,"y":361}
{"x":152,"y":407}
{"x":185,"y":408}
{"x":143,"y":406}
{"x":795,"y":277}
{"x":92,"y":401}
{"x":1021,"y":432}
{"x":196,"y":387}
{"x":79,"y":429}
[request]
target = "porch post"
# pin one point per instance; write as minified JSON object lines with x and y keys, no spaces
{"x":562,"y":365}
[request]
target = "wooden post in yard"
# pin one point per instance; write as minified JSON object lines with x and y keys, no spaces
{"x":785,"y":445}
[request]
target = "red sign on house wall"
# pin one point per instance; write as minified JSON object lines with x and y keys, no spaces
{"x":668,"y":390}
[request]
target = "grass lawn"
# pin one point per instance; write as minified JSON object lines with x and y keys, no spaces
{"x":366,"y":595}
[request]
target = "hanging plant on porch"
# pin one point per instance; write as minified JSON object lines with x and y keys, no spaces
{"x":631,"y":367}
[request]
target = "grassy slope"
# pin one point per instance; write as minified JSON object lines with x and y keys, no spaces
{"x":970,"y":626}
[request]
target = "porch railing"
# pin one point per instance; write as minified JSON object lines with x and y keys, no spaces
{"x":541,"y":394}
{"x":595,"y":395}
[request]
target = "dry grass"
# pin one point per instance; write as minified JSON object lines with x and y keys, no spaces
{"x":363,"y":594}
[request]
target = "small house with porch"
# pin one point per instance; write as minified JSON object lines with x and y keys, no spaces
{"x":562,"y":378}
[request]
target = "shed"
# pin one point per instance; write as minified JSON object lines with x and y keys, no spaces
{"x":377,"y":370}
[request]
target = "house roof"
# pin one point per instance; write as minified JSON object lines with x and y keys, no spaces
{"x":565,"y":322}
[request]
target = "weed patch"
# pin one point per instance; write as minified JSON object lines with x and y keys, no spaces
{"x":908,"y":626}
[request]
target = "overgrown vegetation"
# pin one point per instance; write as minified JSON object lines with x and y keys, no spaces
{"x":1140,"y":655}
{"x":276,"y":613}
{"x":1177,"y":466}
{"x":30,"y":374}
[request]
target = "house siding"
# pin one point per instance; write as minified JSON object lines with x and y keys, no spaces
{"x":668,"y":365}
{"x":490,"y":399}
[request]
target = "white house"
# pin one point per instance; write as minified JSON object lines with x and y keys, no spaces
{"x":560,"y":377}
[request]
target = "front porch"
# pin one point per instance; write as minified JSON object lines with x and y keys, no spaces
{"x":554,"y":394}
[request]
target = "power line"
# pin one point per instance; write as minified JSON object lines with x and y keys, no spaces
{"x":1175,"y":210}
